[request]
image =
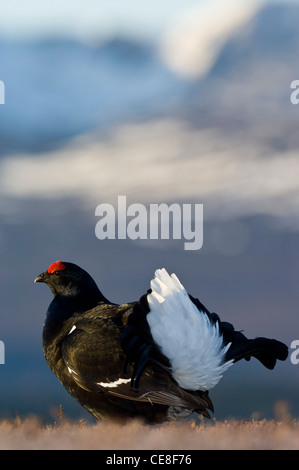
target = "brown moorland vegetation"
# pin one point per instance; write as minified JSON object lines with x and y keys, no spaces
{"x":31,"y":434}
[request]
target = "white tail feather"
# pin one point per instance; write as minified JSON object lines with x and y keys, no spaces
{"x":185,"y":335}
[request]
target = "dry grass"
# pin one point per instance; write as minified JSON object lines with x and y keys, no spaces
{"x":65,"y":435}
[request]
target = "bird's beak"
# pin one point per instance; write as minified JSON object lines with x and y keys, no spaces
{"x":40,"y":278}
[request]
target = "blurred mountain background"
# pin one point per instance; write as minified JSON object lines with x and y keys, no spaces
{"x":199,"y":111}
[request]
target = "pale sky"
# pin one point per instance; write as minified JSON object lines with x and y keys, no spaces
{"x":90,"y":19}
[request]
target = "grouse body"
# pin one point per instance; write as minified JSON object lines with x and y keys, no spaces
{"x":155,"y":359}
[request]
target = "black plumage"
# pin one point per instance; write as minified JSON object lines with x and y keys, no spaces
{"x":106,"y":358}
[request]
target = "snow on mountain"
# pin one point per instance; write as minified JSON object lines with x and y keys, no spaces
{"x":192,"y":45}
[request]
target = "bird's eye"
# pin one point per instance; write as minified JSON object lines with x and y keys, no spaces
{"x":57,"y":273}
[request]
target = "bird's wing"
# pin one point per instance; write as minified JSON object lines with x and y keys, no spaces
{"x":91,"y":351}
{"x":94,"y":359}
{"x":157,"y":387}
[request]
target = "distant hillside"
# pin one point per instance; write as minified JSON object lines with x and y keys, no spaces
{"x":251,"y":76}
{"x":57,"y":88}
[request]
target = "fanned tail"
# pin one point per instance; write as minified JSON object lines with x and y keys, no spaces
{"x":265,"y":350}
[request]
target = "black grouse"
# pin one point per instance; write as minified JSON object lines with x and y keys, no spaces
{"x":155,"y":359}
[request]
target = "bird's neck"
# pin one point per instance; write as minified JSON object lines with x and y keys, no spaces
{"x":63,"y":307}
{"x":80,"y":299}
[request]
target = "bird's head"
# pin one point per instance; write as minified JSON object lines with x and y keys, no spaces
{"x":67,"y":279}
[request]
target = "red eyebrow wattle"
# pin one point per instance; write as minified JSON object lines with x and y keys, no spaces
{"x":57,"y":266}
